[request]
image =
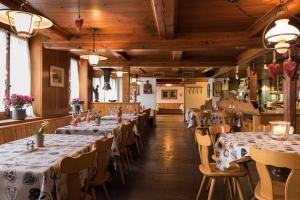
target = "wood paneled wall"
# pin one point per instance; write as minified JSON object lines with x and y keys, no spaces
{"x":168,"y":105}
{"x":21,"y":130}
{"x":49,"y":101}
{"x":106,"y":108}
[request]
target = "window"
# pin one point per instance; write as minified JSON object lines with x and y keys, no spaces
{"x":74,"y":79}
{"x":114,"y":94}
{"x":3,"y":73}
{"x":20,"y":73}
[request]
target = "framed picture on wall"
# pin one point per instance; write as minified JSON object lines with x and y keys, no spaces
{"x":57,"y":76}
{"x":168,"y":94}
{"x":217,"y":89}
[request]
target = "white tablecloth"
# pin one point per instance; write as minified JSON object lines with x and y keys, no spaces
{"x":233,"y":146}
{"x":34,"y":175}
{"x":125,"y":117}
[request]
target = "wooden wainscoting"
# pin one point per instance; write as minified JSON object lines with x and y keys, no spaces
{"x":105,"y":108}
{"x":168,"y":105}
{"x":21,"y":130}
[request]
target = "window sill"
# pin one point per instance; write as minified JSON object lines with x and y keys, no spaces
{"x":5,"y":122}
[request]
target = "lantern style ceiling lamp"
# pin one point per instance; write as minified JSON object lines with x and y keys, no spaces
{"x":93,"y":58}
{"x":283,"y":35}
{"x":119,"y":73}
{"x":24,"y":23}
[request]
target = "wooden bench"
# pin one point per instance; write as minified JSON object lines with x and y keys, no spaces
{"x":17,"y":131}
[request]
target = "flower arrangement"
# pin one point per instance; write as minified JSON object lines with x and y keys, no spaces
{"x":42,"y":127}
{"x":18,"y":102}
{"x":76,"y":101}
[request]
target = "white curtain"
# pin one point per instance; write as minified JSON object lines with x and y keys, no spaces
{"x":114,"y":94}
{"x":74,"y":79}
{"x":3,"y":43}
{"x":20,"y":73}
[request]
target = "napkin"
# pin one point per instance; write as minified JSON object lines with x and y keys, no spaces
{"x":88,"y":118}
{"x":119,"y":119}
{"x":74,"y":121}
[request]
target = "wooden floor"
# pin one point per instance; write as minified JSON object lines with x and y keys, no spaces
{"x":167,"y":169}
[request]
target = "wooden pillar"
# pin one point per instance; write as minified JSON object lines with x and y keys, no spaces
{"x":36,"y":58}
{"x":252,"y":85}
{"x":126,"y":84}
{"x":289,"y":93}
{"x":84,"y":83}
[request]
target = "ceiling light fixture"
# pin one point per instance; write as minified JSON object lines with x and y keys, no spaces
{"x":93,"y":57}
{"x":24,"y":23}
{"x":283,"y":35}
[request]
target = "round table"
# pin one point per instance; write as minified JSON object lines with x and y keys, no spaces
{"x":234,"y":146}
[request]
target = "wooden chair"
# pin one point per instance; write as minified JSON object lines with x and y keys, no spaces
{"x":124,"y":154}
{"x":215,"y":131}
{"x":130,"y":141}
{"x":210,"y":170}
{"x":72,"y":167}
{"x":139,"y":126}
{"x":135,"y":137}
{"x":268,"y":189}
{"x":120,"y":161}
{"x":103,"y":149}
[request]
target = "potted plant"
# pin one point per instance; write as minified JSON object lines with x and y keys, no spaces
{"x":76,"y":104}
{"x":18,"y":103}
{"x":40,"y":134}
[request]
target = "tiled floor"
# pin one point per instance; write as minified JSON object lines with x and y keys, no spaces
{"x":167,"y":169}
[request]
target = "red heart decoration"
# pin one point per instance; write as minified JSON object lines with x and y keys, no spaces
{"x":289,"y":68}
{"x":253,"y":72}
{"x":273,"y":69}
{"x":78,"y":24}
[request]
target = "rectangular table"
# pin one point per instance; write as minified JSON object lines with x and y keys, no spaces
{"x":125,"y":117}
{"x":84,"y":128}
{"x":34,"y":175}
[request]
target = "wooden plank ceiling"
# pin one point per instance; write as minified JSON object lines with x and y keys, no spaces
{"x":160,"y":34}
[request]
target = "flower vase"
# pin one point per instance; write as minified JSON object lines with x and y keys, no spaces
{"x":19,"y":114}
{"x":76,"y":108}
{"x":39,"y":140}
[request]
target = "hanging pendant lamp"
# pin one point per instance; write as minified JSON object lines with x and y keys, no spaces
{"x":93,"y":58}
{"x":282,"y":35}
{"x":24,"y":23}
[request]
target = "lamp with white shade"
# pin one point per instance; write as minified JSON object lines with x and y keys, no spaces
{"x":24,"y":23}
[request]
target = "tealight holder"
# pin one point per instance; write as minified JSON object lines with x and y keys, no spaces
{"x":280,"y":130}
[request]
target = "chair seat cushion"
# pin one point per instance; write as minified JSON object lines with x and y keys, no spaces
{"x":278,"y":191}
{"x":234,"y":170}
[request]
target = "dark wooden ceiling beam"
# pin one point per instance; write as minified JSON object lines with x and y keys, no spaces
{"x":177,"y":55}
{"x":237,"y":40}
{"x":293,"y":8}
{"x":251,"y":54}
{"x":222,"y":71}
{"x":55,"y":32}
{"x":217,"y":62}
{"x":120,"y":55}
{"x":165,"y":14}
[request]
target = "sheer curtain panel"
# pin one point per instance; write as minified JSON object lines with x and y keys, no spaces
{"x":74,"y":79}
{"x":3,"y":72}
{"x":20,"y":73}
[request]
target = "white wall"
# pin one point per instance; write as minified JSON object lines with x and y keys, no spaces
{"x":194,"y":99}
{"x":180,"y":94}
{"x":147,"y":100}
